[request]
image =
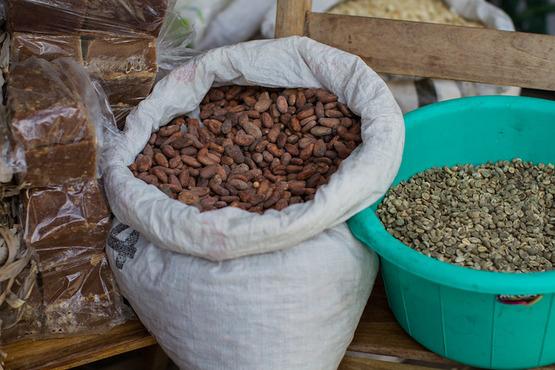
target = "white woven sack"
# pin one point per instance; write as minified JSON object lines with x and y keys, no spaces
{"x":228,"y":289}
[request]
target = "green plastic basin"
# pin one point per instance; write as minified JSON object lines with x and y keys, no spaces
{"x":461,"y":313}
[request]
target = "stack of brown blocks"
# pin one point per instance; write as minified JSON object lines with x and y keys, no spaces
{"x":115,"y":41}
{"x":65,"y":213}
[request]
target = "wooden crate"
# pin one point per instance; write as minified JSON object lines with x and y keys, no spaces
{"x":428,"y":50}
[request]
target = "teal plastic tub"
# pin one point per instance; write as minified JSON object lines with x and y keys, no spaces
{"x":484,"y":319}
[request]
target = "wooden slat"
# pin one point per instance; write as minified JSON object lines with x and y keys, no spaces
{"x":361,"y":363}
{"x":440,"y":51}
{"x":69,"y":352}
{"x":291,"y":16}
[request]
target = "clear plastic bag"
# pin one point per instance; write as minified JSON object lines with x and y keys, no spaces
{"x":49,"y":47}
{"x":121,"y":17}
{"x":175,"y":43}
{"x":56,"y":115}
{"x":125,"y":66}
{"x":64,"y":222}
{"x":80,"y":296}
{"x":65,"y":231}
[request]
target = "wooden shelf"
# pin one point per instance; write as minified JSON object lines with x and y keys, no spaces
{"x":377,"y":334}
{"x":66,"y":353}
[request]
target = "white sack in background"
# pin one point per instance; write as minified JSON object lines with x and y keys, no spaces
{"x":239,"y":21}
{"x":294,"y":302}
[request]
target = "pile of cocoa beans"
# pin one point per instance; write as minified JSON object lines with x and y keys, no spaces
{"x":256,"y":149}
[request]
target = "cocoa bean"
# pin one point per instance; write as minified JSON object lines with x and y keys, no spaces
{"x":341,"y":149}
{"x":263,"y":103}
{"x":281,"y":140}
{"x":346,"y":122}
{"x":190,"y":161}
{"x":190,"y":150}
{"x":161,"y":175}
{"x":301,"y":100}
{"x":235,"y":153}
{"x":251,"y":129}
{"x":148,"y":150}
{"x":161,"y":159}
{"x":267,"y":120}
{"x":343,"y":108}
{"x":274,"y":150}
{"x":274,"y":133}
{"x":282,"y":104}
{"x":143,"y":163}
{"x":267,"y":156}
{"x":168,"y":130}
{"x":329,"y":122}
{"x":319,"y":148}
{"x":321,"y":131}
{"x":207,"y":158}
{"x":243,"y":139}
{"x":169,"y":151}
{"x":174,"y":162}
{"x":309,"y":126}
{"x":184,"y":178}
{"x":285,"y":158}
{"x":213,"y":125}
{"x":295,"y":124}
{"x":333,"y":113}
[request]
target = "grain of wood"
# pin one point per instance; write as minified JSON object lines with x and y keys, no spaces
{"x":290,"y":17}
{"x":69,"y":352}
{"x":360,"y":363}
{"x":441,"y":51}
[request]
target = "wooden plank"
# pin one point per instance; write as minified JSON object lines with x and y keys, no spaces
{"x":69,"y":352}
{"x":440,"y":51}
{"x":361,"y":363}
{"x":291,"y":16}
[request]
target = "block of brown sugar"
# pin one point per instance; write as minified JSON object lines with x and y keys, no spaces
{"x":58,"y":164}
{"x":48,"y":119}
{"x":42,"y":108}
{"x":109,"y":56}
{"x":49,"y":47}
{"x":81,"y":295}
{"x":128,"y":89}
{"x":64,"y":216}
{"x":126,"y":16}
{"x":125,"y":66}
{"x":46,"y":16}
